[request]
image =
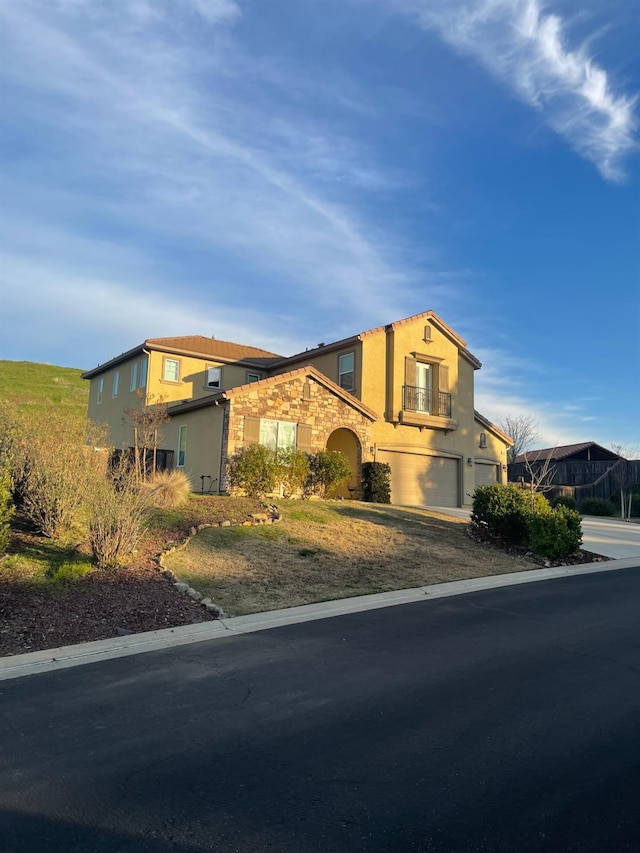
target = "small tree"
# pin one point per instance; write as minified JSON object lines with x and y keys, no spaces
{"x":523,"y":429}
{"x":376,"y":482}
{"x":540,"y":477}
{"x":328,"y":470}
{"x":254,"y":470}
{"x":146,"y":420}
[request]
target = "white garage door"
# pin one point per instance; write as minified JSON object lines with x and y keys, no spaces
{"x":486,"y":475}
{"x":418,"y":480}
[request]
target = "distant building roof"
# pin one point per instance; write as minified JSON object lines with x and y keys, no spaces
{"x":565,"y":451}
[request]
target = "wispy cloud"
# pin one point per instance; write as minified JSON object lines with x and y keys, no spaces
{"x":527,"y":49}
{"x":166,"y":140}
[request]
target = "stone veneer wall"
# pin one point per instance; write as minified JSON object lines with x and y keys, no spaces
{"x":290,"y":401}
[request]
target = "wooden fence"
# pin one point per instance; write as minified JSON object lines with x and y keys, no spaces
{"x":582,"y":480}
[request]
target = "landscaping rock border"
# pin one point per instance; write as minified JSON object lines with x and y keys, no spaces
{"x":271,"y":515}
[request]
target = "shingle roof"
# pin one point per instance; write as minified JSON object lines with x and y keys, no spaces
{"x":226,"y":350}
{"x":558,"y":453}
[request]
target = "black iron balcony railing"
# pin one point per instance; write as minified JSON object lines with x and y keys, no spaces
{"x":416,"y":399}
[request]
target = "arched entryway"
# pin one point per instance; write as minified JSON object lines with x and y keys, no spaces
{"x":348,"y":443}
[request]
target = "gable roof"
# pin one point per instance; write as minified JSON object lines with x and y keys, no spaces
{"x":344,"y":342}
{"x":194,"y":345}
{"x":271,"y":381}
{"x":486,"y":423}
{"x":557,"y":453}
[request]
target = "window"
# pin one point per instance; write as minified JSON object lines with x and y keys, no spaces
{"x":182,"y":446}
{"x":253,"y":377}
{"x":100,"y":390}
{"x":143,"y":373}
{"x":346,"y":375}
{"x":116,"y":383}
{"x":171,"y":372}
{"x":134,"y":376}
{"x":214,"y":377}
{"x":277,"y":435}
{"x":483,"y":439}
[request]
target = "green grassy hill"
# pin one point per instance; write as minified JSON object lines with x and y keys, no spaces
{"x":37,"y":387}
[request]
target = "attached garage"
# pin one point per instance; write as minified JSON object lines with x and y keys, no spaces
{"x":419,"y":480}
{"x":486,"y":473}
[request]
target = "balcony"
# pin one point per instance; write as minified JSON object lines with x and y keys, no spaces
{"x":425,"y":408}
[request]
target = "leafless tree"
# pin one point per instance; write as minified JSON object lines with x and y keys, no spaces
{"x":523,"y":429}
{"x":539,"y":477}
{"x":627,"y":451}
{"x":146,"y":422}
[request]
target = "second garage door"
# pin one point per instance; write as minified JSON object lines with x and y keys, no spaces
{"x":418,"y":480}
{"x":486,"y":475}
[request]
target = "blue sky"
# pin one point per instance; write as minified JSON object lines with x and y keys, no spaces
{"x":283,"y":172}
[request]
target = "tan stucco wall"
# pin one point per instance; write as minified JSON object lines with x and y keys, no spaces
{"x":111,"y":411}
{"x":327,"y":363}
{"x":204,"y":442}
{"x":192,"y":377}
{"x":495,"y":451}
{"x":383,"y":360}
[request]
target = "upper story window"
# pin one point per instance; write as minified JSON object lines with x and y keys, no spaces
{"x":171,"y":370}
{"x":143,"y":373}
{"x":116,"y":384}
{"x":483,"y":439}
{"x":253,"y":377}
{"x":100,"y":390}
{"x":134,"y":376}
{"x":277,"y":435}
{"x":346,"y":371}
{"x":213,"y":377}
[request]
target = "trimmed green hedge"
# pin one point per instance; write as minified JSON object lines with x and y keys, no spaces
{"x":596,"y":506}
{"x":376,"y":482}
{"x":516,"y":517}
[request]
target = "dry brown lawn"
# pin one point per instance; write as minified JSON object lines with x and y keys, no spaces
{"x":322,"y":550}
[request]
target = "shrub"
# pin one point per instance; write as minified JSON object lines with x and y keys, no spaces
{"x":564,"y":500}
{"x":294,"y":468}
{"x":118,"y":512}
{"x":596,"y":506}
{"x":555,"y":534}
{"x":167,"y":489}
{"x":254,"y":470}
{"x":376,"y":486}
{"x":328,"y":469}
{"x":504,"y":511}
{"x":6,"y":508}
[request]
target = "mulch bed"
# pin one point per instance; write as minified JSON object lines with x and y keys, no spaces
{"x":107,"y":603}
{"x":478,"y":534}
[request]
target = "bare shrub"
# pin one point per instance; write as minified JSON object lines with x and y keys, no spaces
{"x":167,"y":489}
{"x":53,"y":466}
{"x":117,"y":515}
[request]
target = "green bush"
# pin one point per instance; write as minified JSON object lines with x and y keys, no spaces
{"x":556,"y":534}
{"x":376,"y":486}
{"x":254,"y":470}
{"x":6,"y":509}
{"x":294,"y":468}
{"x":328,"y":469}
{"x":505,"y":511}
{"x":564,"y":500}
{"x":596,"y":506}
{"x":118,"y":513}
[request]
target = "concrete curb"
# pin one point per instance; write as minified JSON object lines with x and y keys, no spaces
{"x":32,"y":663}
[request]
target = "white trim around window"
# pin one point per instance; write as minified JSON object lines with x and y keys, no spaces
{"x":171,"y":370}
{"x":213,"y":378}
{"x":143,"y":373}
{"x":134,"y":376}
{"x":100,"y":391}
{"x":116,"y":384}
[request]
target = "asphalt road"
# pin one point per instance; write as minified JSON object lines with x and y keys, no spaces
{"x":504,"y":720}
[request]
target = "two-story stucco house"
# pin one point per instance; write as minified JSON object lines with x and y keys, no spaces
{"x":401,"y":393}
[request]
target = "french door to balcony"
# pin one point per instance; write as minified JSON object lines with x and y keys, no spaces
{"x":424,"y":385}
